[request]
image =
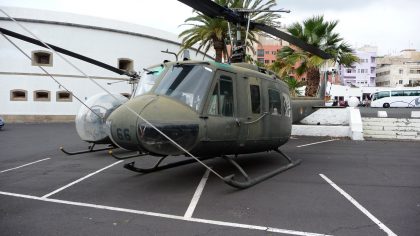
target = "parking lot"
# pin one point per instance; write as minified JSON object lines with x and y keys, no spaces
{"x":342,"y":187}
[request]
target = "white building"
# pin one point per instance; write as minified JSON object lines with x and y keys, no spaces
{"x":362,"y":73}
{"x":28,"y":94}
{"x":399,"y":70}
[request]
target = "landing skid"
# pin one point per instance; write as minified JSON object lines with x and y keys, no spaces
{"x":123,"y":157}
{"x":253,"y":181}
{"x":89,"y":150}
{"x":157,"y":167}
{"x":230,"y":180}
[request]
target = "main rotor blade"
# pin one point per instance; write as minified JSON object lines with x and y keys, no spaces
{"x":64,"y":51}
{"x":212,"y":9}
{"x":291,"y":39}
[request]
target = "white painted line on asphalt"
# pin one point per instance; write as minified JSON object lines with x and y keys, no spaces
{"x":197,"y":194}
{"x":166,"y":216}
{"x":360,"y":207}
{"x":24,"y":165}
{"x":309,"y":144}
{"x":79,"y":180}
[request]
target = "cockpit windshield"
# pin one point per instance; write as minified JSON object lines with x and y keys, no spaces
{"x":187,"y":83}
{"x":148,"y":79}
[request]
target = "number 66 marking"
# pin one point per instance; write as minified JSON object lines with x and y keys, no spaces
{"x":123,"y":134}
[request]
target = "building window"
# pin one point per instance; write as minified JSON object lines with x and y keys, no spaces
{"x":415,"y":71}
{"x":267,"y":52}
{"x":348,"y":71}
{"x":400,"y":81}
{"x":401,"y":71}
{"x":42,"y":96}
{"x":18,"y":95}
{"x":266,"y":61}
{"x":64,"y":96}
{"x":260,"y":60}
{"x":125,"y":64}
{"x":260,"y":52}
{"x":42,"y":58}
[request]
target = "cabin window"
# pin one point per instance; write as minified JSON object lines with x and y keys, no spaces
{"x":287,"y":110}
{"x":255,"y":99}
{"x":226,"y":96}
{"x":125,"y":64}
{"x":18,"y":95}
{"x":274,"y":101}
{"x":42,"y":58}
{"x":42,"y":96}
{"x":64,"y":96}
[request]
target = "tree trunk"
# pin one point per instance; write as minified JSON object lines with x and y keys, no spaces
{"x":218,"y":47}
{"x":312,"y":81}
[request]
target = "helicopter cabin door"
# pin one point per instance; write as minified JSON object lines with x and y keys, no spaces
{"x":221,"y":125}
{"x":252,"y":131}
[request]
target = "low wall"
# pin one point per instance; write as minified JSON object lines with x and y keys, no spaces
{"x":37,"y":118}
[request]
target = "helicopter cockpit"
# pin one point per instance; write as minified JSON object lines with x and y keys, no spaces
{"x":148,"y":79}
{"x":187,"y":83}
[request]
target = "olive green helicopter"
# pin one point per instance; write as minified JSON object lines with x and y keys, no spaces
{"x":203,"y":109}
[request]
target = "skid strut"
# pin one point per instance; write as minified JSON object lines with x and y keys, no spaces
{"x":252,"y":181}
{"x":90,"y":149}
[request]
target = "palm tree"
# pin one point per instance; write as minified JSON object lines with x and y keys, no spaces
{"x":210,"y":32}
{"x":293,"y":84}
{"x":319,"y":33}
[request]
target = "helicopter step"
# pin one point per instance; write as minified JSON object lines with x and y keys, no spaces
{"x":89,"y":150}
{"x":253,"y":181}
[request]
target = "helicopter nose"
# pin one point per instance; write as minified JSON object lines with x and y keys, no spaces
{"x":176,"y":120}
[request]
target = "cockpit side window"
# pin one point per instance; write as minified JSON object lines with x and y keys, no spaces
{"x":221,"y":99}
{"x":226,"y":96}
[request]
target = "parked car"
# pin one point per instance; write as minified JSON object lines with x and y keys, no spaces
{"x":1,"y":122}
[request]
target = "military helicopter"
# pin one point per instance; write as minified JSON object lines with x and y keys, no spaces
{"x":210,"y":109}
{"x":205,"y":109}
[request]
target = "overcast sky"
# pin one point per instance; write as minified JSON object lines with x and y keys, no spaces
{"x":388,"y":24}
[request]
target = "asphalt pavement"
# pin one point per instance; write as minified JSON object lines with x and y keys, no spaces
{"x":45,"y":192}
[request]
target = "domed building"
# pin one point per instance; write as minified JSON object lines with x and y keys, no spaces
{"x":29,"y":94}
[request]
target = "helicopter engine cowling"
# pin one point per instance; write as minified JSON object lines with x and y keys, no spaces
{"x":90,"y":123}
{"x":173,"y":118}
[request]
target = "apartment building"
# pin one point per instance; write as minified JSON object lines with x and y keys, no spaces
{"x":362,"y":73}
{"x":400,"y":70}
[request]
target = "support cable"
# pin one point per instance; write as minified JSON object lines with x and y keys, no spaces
{"x":109,"y":93}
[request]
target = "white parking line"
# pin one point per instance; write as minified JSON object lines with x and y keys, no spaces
{"x":197,"y":194}
{"x":79,"y":180}
{"x":24,"y":165}
{"x":360,"y":207}
{"x":167,"y":216}
{"x":309,"y":144}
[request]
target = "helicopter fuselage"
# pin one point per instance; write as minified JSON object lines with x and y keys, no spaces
{"x":209,"y":108}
